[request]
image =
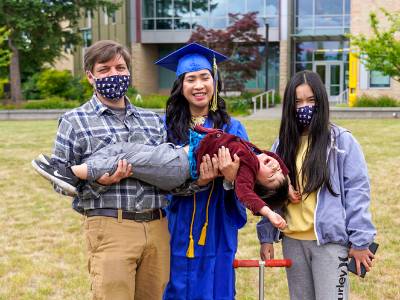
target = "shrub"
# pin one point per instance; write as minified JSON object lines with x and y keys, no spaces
{"x":55,"y":83}
{"x":381,"y":101}
{"x":51,"y":103}
{"x":51,"y":82}
{"x":2,"y":82}
{"x":150,"y":101}
{"x":87,"y":89}
{"x":30,"y":89}
{"x":237,"y":105}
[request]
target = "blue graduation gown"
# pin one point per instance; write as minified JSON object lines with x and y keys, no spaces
{"x":209,"y":275}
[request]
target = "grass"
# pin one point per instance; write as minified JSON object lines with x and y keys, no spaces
{"x":42,"y":253}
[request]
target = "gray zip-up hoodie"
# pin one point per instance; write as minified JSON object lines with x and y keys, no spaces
{"x":344,"y":219}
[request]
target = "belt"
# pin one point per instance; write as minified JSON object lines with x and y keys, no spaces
{"x":146,"y":216}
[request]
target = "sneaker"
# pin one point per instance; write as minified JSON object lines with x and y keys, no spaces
{"x":44,"y":159}
{"x":59,"y":174}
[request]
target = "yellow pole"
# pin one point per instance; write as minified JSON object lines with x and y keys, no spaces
{"x":353,"y":76}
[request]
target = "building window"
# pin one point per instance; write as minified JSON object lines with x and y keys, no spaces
{"x":378,"y":80}
{"x":105,"y":14}
{"x":87,"y":37}
{"x":322,"y":17}
{"x":88,"y":19}
{"x":187,"y":14}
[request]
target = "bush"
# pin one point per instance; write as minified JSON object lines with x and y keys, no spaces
{"x":2,"y":82}
{"x":58,"y":83}
{"x":51,"y":103}
{"x":238,"y":105}
{"x":30,"y":89}
{"x":87,"y":89}
{"x":242,"y":105}
{"x":150,"y":101}
{"x":51,"y":82}
{"x":382,"y":101}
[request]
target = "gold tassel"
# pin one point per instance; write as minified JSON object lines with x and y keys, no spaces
{"x":203,"y":235}
{"x":214,"y":103}
{"x":190,"y":249}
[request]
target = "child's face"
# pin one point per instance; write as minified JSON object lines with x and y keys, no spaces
{"x":270,"y":174}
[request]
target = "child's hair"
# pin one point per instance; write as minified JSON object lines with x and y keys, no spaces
{"x":274,"y":198}
{"x":314,"y":171}
{"x":178,"y":117}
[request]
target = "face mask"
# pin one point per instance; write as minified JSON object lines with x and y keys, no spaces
{"x":304,"y":115}
{"x":112,"y":87}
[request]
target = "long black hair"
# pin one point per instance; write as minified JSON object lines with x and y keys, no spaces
{"x":178,"y":117}
{"x":315,"y":170}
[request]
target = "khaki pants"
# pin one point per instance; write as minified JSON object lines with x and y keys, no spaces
{"x":127,"y":260}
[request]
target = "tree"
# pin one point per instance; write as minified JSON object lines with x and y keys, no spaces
{"x":381,"y":51}
{"x":240,"y":42}
{"x":40,"y":29}
{"x":4,"y":53}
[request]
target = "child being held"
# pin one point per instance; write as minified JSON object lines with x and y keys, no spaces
{"x":261,"y":183}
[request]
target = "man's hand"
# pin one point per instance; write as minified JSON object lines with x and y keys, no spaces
{"x":226,"y":166}
{"x":362,"y":257}
{"x":124,"y":170}
{"x":208,"y":170}
{"x":267,"y":251}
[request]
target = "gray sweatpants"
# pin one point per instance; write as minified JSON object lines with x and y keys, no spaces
{"x":318,"y":272}
{"x":164,"y":166}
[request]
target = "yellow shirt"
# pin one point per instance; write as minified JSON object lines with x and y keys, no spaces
{"x":300,"y":217}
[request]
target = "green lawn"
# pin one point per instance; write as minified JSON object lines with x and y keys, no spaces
{"x":42,"y":253}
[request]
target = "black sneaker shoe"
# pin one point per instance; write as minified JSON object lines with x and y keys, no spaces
{"x":59,"y":174}
{"x":44,"y":159}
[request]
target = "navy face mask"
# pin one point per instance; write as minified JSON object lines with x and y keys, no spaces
{"x":304,"y":115}
{"x":112,"y":87}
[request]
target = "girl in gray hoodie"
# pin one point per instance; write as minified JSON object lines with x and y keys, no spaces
{"x":332,"y":221}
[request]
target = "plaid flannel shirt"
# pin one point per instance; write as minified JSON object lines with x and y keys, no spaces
{"x":86,"y":129}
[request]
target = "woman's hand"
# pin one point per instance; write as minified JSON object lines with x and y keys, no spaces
{"x":124,"y":170}
{"x":362,"y":257}
{"x":226,"y":166}
{"x":208,"y":170}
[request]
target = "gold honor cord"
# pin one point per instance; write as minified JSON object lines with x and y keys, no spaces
{"x":203,"y":235}
{"x":214,"y":103}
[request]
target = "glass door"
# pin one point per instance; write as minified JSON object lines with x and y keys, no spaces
{"x":331,"y":74}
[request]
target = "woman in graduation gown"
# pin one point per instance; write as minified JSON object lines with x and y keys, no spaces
{"x":204,"y":217}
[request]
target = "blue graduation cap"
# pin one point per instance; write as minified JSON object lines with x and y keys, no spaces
{"x":190,"y":58}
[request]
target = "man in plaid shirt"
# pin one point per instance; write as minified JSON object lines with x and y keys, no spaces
{"x":125,"y":225}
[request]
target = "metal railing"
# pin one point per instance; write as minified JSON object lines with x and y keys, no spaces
{"x":342,"y":98}
{"x":269,"y":97}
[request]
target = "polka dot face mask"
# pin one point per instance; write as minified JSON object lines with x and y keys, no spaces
{"x":112,"y":87}
{"x":304,"y":115}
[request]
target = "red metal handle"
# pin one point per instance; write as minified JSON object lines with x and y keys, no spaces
{"x":249,"y":263}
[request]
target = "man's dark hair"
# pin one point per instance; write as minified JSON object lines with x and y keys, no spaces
{"x":103,"y":51}
{"x":274,"y":198}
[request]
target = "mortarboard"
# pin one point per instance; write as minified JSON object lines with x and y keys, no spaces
{"x":191,"y":58}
